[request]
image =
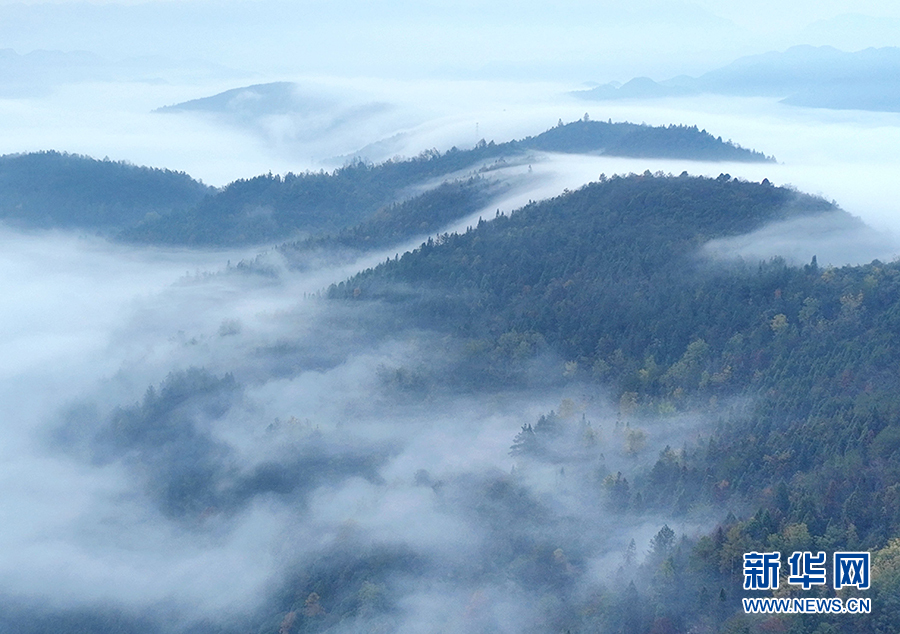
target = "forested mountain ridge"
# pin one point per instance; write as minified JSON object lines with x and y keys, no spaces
{"x":612,"y":278}
{"x":53,"y":189}
{"x":643,"y":141}
{"x":425,"y":214}
{"x":774,"y":385}
{"x":594,"y":249}
{"x":271,"y":207}
{"x":153,"y":206}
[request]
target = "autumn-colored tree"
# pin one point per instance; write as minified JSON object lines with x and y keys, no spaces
{"x":312,"y":606}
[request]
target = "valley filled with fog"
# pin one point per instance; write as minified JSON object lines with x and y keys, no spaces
{"x":310,"y":448}
{"x":312,"y":452}
{"x":375,"y":351}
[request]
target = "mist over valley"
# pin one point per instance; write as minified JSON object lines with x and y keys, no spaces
{"x":343,"y":318}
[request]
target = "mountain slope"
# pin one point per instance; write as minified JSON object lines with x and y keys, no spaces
{"x":592,"y":270}
{"x":393,"y":224}
{"x":152,"y":206}
{"x":51,"y":189}
{"x":270,"y":207}
{"x":632,"y":140}
{"x":795,"y":363}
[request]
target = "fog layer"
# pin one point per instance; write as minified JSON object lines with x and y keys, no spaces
{"x":183,"y":443}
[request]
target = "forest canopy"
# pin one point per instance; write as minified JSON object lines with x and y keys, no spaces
{"x":154,"y":206}
{"x":794,"y":362}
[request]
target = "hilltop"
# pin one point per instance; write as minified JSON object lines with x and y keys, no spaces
{"x":271,"y":207}
{"x":154,"y":206}
{"x":54,"y":189}
{"x":794,"y":363}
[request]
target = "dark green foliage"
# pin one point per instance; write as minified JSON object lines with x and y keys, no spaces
{"x":355,"y":579}
{"x":140,"y":204}
{"x":188,"y":473}
{"x":344,"y":583}
{"x":610,"y":277}
{"x":390,"y":225}
{"x":50,"y":189}
{"x":609,"y":267}
{"x":630,"y":139}
{"x":524,"y":443}
{"x":271,"y":207}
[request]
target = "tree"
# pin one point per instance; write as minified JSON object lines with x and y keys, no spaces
{"x":311,"y":606}
{"x":524,"y":443}
{"x":661,"y":545}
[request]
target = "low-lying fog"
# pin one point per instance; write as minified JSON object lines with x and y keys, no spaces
{"x":272,"y":442}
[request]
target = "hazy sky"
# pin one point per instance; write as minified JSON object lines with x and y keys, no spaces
{"x":568,"y":39}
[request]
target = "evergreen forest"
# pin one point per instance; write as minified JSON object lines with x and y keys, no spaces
{"x":718,"y":405}
{"x":152,"y":206}
{"x":796,"y":366}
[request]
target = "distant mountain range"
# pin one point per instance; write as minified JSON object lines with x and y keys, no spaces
{"x":276,"y":98}
{"x":815,"y":77}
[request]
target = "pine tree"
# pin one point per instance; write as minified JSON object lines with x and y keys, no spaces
{"x":524,"y":443}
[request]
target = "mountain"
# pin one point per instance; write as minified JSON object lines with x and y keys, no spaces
{"x":708,"y":406}
{"x":292,"y":114}
{"x":590,"y":271}
{"x":255,"y":101}
{"x":271,"y":208}
{"x":817,"y":77}
{"x":394,"y":224}
{"x":643,"y":141}
{"x":52,"y":189}
{"x":795,"y":363}
{"x":152,"y":206}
